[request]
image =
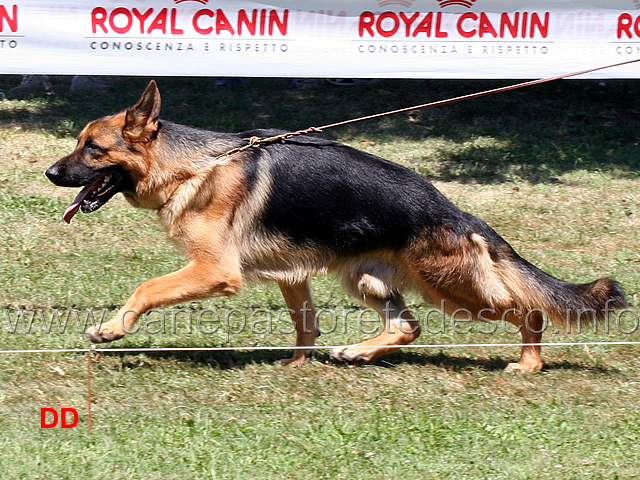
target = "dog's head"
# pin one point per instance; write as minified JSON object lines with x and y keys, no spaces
{"x":111,"y":155}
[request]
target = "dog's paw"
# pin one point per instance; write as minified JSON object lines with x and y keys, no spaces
{"x":523,"y":367}
{"x":294,"y":361}
{"x":103,"y":335}
{"x":300,"y":358}
{"x":355,"y":356}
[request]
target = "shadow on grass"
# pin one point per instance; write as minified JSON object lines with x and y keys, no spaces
{"x":460,"y":363}
{"x":219,"y":360}
{"x":534,"y":134}
{"x":239,"y":360}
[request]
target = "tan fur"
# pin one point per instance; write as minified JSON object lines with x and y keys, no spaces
{"x":300,"y":304}
{"x":488,"y":281}
{"x":203,"y":202}
{"x":267,"y":256}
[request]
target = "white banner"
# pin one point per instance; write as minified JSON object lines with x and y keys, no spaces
{"x":355,"y":38}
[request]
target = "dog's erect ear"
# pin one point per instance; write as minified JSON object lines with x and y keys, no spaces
{"x":141,"y":123}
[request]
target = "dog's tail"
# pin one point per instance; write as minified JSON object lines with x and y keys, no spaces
{"x":479,"y":271}
{"x":571,"y":302}
{"x":528,"y":288}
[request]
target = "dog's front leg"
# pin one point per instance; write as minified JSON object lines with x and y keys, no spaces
{"x":300,"y":304}
{"x":195,"y":281}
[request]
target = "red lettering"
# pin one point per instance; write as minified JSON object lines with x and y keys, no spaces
{"x":121,"y":11}
{"x":204,"y":22}
{"x":98,"y":19}
{"x":486,"y":27}
{"x":505,"y":23}
{"x":464,"y":17}
{"x":439,"y":32}
{"x":63,"y":414}
{"x":141,"y":17}
{"x":536,"y":23}
{"x":394,"y":27}
{"x":243,"y":19}
{"x":159,"y":23}
{"x":196,"y":26}
{"x":263,"y":20}
{"x":408,"y":21}
{"x":367,"y":20}
{"x":43,"y":417}
{"x":424,"y":26}
{"x":12,"y":21}
{"x":275,"y":21}
{"x":624,"y":24}
{"x":525,"y":17}
{"x":388,"y":24}
{"x":175,"y":30}
{"x":222,"y":23}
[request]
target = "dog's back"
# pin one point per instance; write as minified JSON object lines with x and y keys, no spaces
{"x":292,"y":209}
{"x":358,"y":214}
{"x":333,"y":196}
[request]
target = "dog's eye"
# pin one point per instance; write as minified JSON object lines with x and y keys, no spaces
{"x":91,"y":147}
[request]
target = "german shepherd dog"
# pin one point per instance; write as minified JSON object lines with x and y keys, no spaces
{"x":289,"y":210}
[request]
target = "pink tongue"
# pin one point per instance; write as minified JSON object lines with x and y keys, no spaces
{"x":75,"y":205}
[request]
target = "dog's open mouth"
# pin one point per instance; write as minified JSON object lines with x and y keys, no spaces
{"x":94,"y":195}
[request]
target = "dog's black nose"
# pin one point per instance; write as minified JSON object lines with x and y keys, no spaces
{"x":52,"y":173}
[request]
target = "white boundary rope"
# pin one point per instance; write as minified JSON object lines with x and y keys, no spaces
{"x":93,"y":353}
{"x":315,"y":347}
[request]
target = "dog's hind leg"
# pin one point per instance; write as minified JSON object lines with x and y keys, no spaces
{"x":531,"y":330}
{"x":300,"y":304}
{"x":400,"y":328}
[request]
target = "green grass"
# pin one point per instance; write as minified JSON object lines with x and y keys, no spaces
{"x":553,"y":168}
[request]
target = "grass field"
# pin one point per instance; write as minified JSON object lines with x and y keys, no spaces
{"x":553,"y":168}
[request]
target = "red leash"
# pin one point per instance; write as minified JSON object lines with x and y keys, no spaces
{"x":258,"y":141}
{"x":467,"y":97}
